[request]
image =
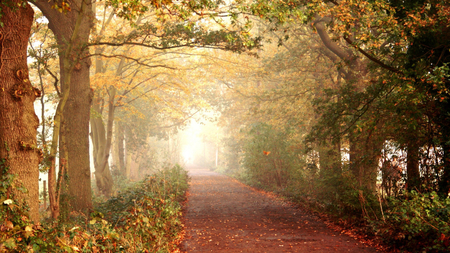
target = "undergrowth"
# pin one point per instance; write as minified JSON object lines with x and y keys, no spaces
{"x":416,"y":222}
{"x":142,"y":218}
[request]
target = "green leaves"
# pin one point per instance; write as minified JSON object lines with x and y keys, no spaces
{"x":148,"y":214}
{"x":130,"y":9}
{"x":270,"y":158}
{"x":144,"y":217}
{"x":10,"y":243}
{"x":417,"y":221}
{"x":176,"y":35}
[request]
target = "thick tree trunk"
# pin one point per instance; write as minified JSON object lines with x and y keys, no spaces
{"x":18,"y":121}
{"x":355,"y":159}
{"x":364,"y":147}
{"x":72,"y":31}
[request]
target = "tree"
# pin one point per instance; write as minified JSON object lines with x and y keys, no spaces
{"x":425,"y":25}
{"x":19,"y":155}
{"x":70,"y":22}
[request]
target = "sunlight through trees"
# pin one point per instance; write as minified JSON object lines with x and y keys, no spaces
{"x":342,"y":106}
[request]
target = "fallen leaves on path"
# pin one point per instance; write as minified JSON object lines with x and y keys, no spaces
{"x":224,"y":215}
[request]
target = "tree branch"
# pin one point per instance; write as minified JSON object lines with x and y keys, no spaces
{"x":331,"y":45}
{"x":56,"y":80}
{"x":372,"y":58}
{"x":132,"y":59}
{"x":191,"y":45}
{"x":180,"y":122}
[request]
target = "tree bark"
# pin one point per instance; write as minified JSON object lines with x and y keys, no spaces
{"x":355,"y":158}
{"x":18,"y":121}
{"x":72,"y":31}
{"x":412,"y":165}
{"x":102,"y":139}
{"x":118,"y":149}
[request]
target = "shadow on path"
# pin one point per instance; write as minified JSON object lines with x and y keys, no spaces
{"x":224,"y":215}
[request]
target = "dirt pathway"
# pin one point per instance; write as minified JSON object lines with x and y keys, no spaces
{"x":224,"y":215}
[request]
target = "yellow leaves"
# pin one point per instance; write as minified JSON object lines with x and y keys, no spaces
{"x":364,"y":37}
{"x":28,"y":231}
{"x":63,"y":7}
{"x":104,"y":80}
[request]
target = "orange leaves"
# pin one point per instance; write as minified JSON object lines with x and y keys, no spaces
{"x":63,"y":7}
{"x":368,"y":21}
{"x":424,"y":18}
{"x":266,"y":153}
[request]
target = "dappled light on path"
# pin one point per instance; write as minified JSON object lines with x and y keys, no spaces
{"x":223,"y":215}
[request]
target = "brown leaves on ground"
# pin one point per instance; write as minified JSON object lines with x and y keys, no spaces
{"x":223,"y":215}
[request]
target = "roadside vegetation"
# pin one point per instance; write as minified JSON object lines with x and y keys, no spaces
{"x":143,"y":217}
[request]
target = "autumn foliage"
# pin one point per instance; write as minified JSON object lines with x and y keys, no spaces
{"x":144,"y":217}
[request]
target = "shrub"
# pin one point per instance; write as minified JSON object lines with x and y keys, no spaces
{"x":144,"y":218}
{"x":270,"y":160}
{"x":417,"y":222}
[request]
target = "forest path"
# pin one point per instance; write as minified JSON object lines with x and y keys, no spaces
{"x":224,"y":215}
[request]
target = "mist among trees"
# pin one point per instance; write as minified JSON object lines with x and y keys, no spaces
{"x":340,"y":106}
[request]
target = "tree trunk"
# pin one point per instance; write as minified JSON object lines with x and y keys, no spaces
{"x":18,"y":121}
{"x":444,"y":183}
{"x":355,"y":158}
{"x":412,"y":166}
{"x":365,"y":151}
{"x":132,"y":167}
{"x":72,"y":31}
{"x":364,"y":147}
{"x":116,"y":169}
{"x":329,"y":157}
{"x":120,"y":146}
{"x":118,"y":149}
{"x":101,"y":139}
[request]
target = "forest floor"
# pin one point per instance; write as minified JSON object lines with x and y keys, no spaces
{"x":224,"y":215}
